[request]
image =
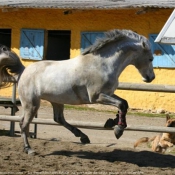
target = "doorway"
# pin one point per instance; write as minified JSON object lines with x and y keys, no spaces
{"x":5,"y":37}
{"x":58,"y":45}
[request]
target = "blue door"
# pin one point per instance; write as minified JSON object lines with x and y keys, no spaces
{"x":164,"y":55}
{"x":32,"y":44}
{"x":88,"y":38}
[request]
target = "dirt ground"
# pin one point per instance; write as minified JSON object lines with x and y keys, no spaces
{"x":60,"y":152}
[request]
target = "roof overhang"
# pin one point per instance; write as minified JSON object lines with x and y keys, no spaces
{"x":87,"y":4}
{"x":167,"y":34}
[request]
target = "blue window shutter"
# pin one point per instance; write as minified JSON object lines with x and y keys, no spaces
{"x":32,"y":44}
{"x":88,"y":38}
{"x":164,"y":55}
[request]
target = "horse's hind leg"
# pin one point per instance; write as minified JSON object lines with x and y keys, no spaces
{"x":59,"y":118}
{"x":29,"y":112}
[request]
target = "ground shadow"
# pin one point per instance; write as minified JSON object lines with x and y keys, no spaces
{"x":142,"y":158}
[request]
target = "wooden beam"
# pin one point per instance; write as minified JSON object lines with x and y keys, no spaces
{"x":147,"y":87}
{"x":91,"y":125}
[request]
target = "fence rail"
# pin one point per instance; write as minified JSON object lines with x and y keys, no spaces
{"x":147,"y":87}
{"x":100,"y":126}
{"x":91,"y":125}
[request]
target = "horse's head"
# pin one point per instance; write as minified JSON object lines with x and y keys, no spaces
{"x":4,"y":54}
{"x":143,"y":61}
{"x":170,"y":122}
{"x":3,"y":49}
{"x":10,"y":66}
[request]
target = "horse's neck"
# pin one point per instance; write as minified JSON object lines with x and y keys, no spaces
{"x":120,"y":61}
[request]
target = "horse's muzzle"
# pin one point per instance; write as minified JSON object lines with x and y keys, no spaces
{"x":148,"y":79}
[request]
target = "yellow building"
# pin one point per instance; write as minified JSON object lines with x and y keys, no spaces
{"x":65,"y":29}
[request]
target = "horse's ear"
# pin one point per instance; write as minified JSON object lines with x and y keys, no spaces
{"x":145,"y":45}
{"x":167,"y":117}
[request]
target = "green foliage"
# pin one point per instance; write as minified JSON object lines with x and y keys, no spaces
{"x":135,"y":113}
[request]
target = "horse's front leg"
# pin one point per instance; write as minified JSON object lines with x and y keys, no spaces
{"x":59,"y":118}
{"x":122,"y":105}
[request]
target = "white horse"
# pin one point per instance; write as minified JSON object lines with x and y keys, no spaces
{"x":90,"y":78}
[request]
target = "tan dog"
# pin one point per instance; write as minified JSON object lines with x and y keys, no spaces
{"x":161,"y":142}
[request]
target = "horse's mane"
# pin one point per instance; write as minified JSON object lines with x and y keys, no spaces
{"x":110,"y":36}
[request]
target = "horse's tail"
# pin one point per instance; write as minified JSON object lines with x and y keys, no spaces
{"x":10,"y":66}
{"x":143,"y":140}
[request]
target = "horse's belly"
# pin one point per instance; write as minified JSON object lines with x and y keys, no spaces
{"x":68,"y":97}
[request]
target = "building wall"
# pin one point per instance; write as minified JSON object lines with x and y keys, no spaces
{"x":98,"y":20}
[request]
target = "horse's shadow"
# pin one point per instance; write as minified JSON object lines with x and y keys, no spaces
{"x":142,"y":158}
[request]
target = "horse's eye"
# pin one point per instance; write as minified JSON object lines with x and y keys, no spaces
{"x":4,"y":49}
{"x":151,"y":60}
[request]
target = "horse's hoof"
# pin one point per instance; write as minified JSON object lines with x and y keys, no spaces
{"x":29,"y":151}
{"x":109,"y":123}
{"x":118,"y":131}
{"x":85,"y":140}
